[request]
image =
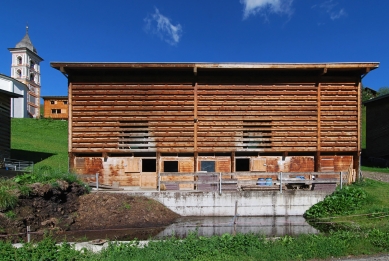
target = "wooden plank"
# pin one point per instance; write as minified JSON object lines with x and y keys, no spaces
{"x":132,"y":165}
{"x":258,"y":164}
{"x":195,"y":117}
{"x":148,"y":180}
{"x":70,"y":120}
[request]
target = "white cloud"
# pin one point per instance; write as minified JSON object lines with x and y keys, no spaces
{"x":162,"y":26}
{"x":333,"y":11}
{"x":252,"y":7}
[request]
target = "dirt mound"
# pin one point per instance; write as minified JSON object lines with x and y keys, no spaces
{"x":67,"y":207}
{"x":116,"y":210}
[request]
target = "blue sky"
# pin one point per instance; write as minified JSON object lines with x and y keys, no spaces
{"x":295,"y":31}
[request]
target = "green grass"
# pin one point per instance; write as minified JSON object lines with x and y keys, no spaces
{"x":375,"y":169}
{"x":9,"y":193}
{"x":225,"y":247}
{"x":43,"y":141}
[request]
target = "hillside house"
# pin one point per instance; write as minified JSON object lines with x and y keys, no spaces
{"x":55,"y":107}
{"x":377,"y":130}
{"x":131,"y":121}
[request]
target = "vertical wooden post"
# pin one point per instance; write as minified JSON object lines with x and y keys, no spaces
{"x":195,"y":119}
{"x":233,"y":167}
{"x":357,"y":162}
{"x":195,"y":162}
{"x":70,"y":123}
{"x":158,"y":169}
{"x":318,"y":145}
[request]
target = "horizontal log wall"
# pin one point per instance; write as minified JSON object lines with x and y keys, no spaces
{"x":179,"y":118}
{"x":339,"y":117}
{"x":132,"y":118}
{"x":263,"y":118}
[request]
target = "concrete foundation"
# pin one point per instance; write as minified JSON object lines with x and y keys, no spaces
{"x":246,"y":203}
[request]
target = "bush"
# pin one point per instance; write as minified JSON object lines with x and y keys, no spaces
{"x":342,"y":201}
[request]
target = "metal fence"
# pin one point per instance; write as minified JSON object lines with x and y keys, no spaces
{"x":279,"y":180}
{"x":18,"y":165}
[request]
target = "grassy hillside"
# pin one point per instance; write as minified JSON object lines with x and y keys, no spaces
{"x":43,"y":141}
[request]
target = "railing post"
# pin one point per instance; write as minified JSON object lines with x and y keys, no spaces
{"x":281,"y":182}
{"x":341,"y":180}
{"x":28,"y":234}
{"x":159,"y":182}
{"x":97,"y":181}
{"x":220,"y":183}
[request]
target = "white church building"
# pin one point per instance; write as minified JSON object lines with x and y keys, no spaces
{"x":25,"y":68}
{"x":18,"y":106}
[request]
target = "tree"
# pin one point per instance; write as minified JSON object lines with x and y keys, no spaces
{"x":383,"y":90}
{"x":367,"y":94}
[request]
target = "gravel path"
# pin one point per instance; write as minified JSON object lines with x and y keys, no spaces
{"x":376,"y":175}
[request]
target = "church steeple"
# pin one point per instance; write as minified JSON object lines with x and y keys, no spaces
{"x":26,"y":69}
{"x":26,"y":43}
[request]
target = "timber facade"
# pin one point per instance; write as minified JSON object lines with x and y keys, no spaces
{"x":131,"y":121}
{"x":55,"y":107}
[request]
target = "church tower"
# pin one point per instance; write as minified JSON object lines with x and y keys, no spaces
{"x":26,"y":69}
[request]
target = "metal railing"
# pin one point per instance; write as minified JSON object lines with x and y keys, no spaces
{"x":18,"y":165}
{"x":281,"y":179}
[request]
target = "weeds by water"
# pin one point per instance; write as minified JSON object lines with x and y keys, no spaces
{"x":225,"y":247}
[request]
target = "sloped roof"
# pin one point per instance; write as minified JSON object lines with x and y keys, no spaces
{"x":386,"y":96}
{"x":26,"y":43}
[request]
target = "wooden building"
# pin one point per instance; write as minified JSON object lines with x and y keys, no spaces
{"x":5,"y":120}
{"x":131,"y":121}
{"x":55,"y":107}
{"x":377,"y":129}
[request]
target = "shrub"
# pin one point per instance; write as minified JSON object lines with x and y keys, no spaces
{"x":342,"y":201}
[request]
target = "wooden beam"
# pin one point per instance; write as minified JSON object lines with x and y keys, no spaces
{"x":318,"y":115}
{"x":195,"y":120}
{"x":70,"y":117}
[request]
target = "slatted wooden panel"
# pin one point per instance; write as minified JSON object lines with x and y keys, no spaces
{"x":132,"y":118}
{"x":5,"y":126}
{"x":280,"y":117}
{"x":339,"y":117}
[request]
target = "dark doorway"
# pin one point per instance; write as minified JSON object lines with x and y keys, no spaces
{"x":149,"y":165}
{"x":242,"y":164}
{"x":170,"y":166}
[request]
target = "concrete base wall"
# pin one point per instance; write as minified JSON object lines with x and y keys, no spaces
{"x":249,"y":203}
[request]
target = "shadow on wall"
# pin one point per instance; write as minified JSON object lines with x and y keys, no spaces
{"x":378,"y":162}
{"x":30,"y":155}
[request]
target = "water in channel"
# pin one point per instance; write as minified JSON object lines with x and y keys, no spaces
{"x":203,"y":226}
